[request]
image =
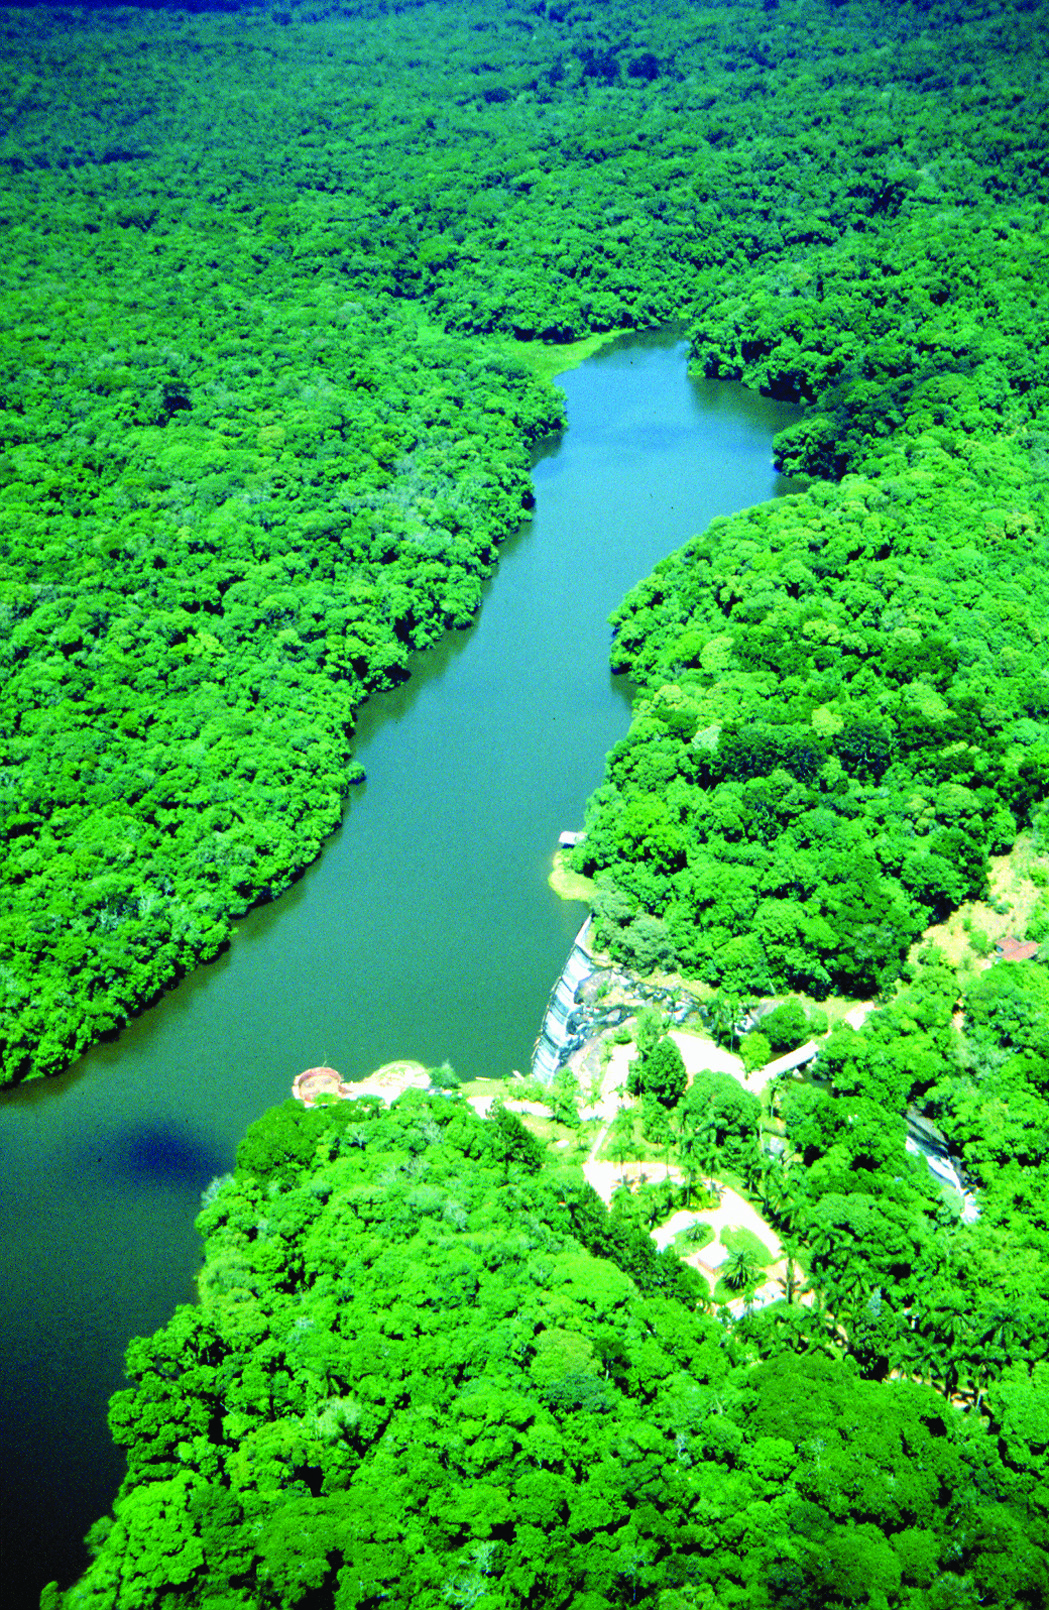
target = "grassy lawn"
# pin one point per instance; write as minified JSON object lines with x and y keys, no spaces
{"x":740,"y":1239}
{"x":725,"y":1294}
{"x":571,"y":1145}
{"x":569,"y":885}
{"x":693,"y":1238}
{"x":548,"y":359}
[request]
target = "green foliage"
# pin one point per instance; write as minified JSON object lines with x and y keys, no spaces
{"x":865,"y":700}
{"x":659,"y":1073}
{"x":234,"y":504}
{"x":834,"y":802}
{"x":755,"y":1050}
{"x":1007,"y":1008}
{"x":409,"y":1381}
{"x":911,"y":1288}
{"x":697,"y":1235}
{"x":718,"y":1113}
{"x":444,"y":1077}
{"x":741,"y":1272}
{"x":789,"y":1025}
{"x":252,"y":455}
{"x":1021,"y":1410}
{"x":183,"y":665}
{"x":562,"y":1096}
{"x":231,"y":507}
{"x":739,"y":1239}
{"x":996,"y":1108}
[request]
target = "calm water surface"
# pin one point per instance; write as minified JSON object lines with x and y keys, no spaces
{"x":426,"y":930}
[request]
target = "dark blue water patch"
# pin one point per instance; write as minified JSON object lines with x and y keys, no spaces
{"x":161,"y":1155}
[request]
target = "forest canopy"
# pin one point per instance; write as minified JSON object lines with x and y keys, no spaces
{"x":272,"y":277}
{"x":428,"y":1368}
{"x":276,"y":282}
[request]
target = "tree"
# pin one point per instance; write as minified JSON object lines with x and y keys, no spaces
{"x":724,"y":1015}
{"x":742,"y":1270}
{"x":697,"y":1154}
{"x":661,"y":1073}
{"x":792,"y":1285}
{"x":755,"y":1051}
{"x":621,"y":1134}
{"x":717,"y":1100}
{"x":786,"y":1026}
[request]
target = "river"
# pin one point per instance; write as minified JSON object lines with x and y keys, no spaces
{"x":426,"y":929}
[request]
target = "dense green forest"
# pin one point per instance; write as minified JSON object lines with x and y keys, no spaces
{"x":845,"y":695}
{"x":276,"y":284}
{"x":427,"y":1368}
{"x":263,"y":430}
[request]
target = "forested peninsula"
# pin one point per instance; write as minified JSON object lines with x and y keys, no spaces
{"x":428,"y":1368}
{"x":281,"y":289}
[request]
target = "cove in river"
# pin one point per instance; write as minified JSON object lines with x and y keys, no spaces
{"x":426,"y":929}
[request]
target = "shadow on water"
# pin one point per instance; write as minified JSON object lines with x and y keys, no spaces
{"x":159,"y":1155}
{"x":426,"y":929}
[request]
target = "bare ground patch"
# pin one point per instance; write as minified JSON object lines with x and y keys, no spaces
{"x":1018,"y":892}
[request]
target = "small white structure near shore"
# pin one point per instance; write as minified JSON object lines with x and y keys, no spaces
{"x":317,"y":1087}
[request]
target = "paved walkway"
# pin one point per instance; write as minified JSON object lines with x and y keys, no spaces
{"x":734,"y":1212}
{"x":697,"y":1053}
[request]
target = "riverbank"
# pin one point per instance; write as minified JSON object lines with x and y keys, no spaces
{"x":425,"y":931}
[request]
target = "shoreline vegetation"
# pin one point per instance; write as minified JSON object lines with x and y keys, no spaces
{"x":657,"y":1236}
{"x":263,"y":433}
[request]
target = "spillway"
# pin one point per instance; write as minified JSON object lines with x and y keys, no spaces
{"x":556,"y":1037}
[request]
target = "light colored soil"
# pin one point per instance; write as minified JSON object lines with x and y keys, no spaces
{"x":699,"y":1052}
{"x":605,"y":1177}
{"x":1012,"y":883}
{"x":391,"y":1079}
{"x":482,"y":1105}
{"x":736,"y":1213}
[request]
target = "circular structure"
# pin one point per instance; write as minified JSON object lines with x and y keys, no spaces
{"x":316,"y":1085}
{"x":393,"y":1077}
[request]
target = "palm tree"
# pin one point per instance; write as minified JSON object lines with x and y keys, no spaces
{"x":772,"y":1187}
{"x":825,"y":1240}
{"x":742,"y":1271}
{"x":725,"y":1012}
{"x":945,"y":1328}
{"x":621,"y":1136}
{"x":697,"y":1150}
{"x":792,"y":1258}
{"x":996,"y":1330}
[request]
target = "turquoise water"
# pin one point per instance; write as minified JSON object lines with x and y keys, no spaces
{"x":426,"y":930}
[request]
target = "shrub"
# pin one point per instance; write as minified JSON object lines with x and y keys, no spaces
{"x":755,"y":1051}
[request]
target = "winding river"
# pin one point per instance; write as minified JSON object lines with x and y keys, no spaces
{"x":426,"y":930}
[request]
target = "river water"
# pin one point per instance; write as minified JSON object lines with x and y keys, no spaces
{"x":426,"y":929}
